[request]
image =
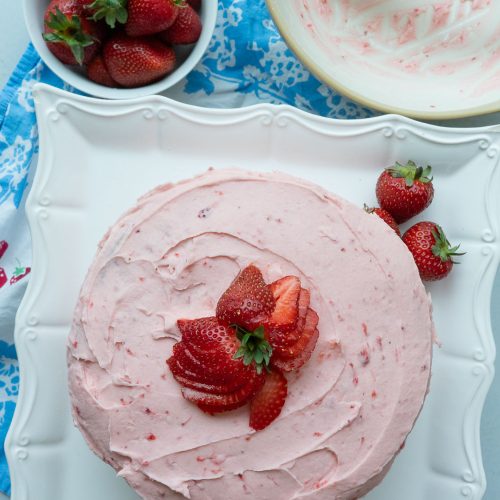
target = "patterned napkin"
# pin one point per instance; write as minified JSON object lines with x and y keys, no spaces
{"x":247,"y":62}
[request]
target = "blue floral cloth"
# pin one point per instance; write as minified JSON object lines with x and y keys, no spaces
{"x":247,"y":62}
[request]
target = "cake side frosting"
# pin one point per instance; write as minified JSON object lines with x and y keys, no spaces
{"x":349,"y":409}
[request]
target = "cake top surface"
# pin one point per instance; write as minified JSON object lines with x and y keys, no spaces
{"x":348,"y":410}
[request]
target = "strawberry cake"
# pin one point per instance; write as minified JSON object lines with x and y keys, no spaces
{"x":249,"y":335}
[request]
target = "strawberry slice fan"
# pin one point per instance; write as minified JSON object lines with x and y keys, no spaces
{"x":259,"y":332}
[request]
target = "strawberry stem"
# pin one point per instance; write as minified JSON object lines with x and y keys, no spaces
{"x":69,"y":31}
{"x":411,"y":172}
{"x":442,"y":247}
{"x":111,"y":11}
{"x":254,"y":347}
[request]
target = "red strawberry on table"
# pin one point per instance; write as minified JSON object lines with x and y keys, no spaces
{"x":248,"y":301}
{"x":385,"y":216}
{"x":69,"y":34}
{"x":3,"y":247}
{"x":431,"y":250}
{"x":133,"y":62}
{"x":147,"y":17}
{"x":19,"y":273}
{"x":186,"y":28}
{"x":267,"y":404}
{"x":405,"y":190}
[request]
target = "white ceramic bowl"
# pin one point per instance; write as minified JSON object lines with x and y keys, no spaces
{"x":187,"y":56}
{"x":422,"y":58}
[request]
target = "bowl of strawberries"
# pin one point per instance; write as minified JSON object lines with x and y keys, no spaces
{"x":119,"y":49}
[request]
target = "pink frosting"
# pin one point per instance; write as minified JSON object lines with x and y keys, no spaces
{"x":450,"y":39}
{"x":349,"y":409}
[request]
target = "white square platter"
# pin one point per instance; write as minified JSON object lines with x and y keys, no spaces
{"x":97,"y":157}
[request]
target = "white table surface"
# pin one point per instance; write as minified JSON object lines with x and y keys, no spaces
{"x":13,"y":41}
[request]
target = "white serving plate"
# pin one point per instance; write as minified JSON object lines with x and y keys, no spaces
{"x":420,"y":58}
{"x":97,"y":157}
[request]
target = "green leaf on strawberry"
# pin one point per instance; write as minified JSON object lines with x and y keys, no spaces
{"x":254,"y":347}
{"x":112,"y":11}
{"x":68,"y":30}
{"x":442,"y":248}
{"x":411,"y":172}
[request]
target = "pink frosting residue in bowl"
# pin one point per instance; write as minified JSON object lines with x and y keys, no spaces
{"x":446,"y":41}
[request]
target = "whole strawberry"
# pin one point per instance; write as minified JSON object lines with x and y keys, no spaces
{"x":385,"y":216}
{"x":147,"y":17}
{"x":69,"y":35}
{"x":405,"y":190}
{"x":186,"y":28}
{"x":97,"y":72}
{"x":133,"y":62}
{"x":431,"y":250}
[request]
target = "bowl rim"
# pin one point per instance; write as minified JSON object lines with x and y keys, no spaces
{"x":322,"y":75}
{"x":81,"y":83}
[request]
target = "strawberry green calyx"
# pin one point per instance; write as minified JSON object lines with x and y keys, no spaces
{"x":69,"y":31}
{"x":442,"y":247}
{"x":112,"y":11}
{"x":411,"y":172}
{"x":254,"y":347}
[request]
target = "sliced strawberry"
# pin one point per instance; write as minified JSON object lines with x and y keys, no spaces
{"x":190,"y":380}
{"x":280,"y":338}
{"x":267,"y":404}
{"x":310,"y":325}
{"x":286,"y":292}
{"x":217,"y":403}
{"x":208,"y":370}
{"x":247,"y":302}
{"x":208,"y":348}
{"x":207,"y":333}
{"x":288,"y":365}
{"x":209,"y":366}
